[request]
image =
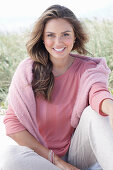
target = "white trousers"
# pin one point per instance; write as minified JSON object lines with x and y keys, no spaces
{"x":91,"y":142}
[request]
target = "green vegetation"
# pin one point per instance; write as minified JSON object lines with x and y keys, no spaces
{"x":101,"y":42}
{"x":13,"y":50}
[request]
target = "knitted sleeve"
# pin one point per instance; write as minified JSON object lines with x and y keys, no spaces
{"x":12,"y":124}
{"x":97,"y":94}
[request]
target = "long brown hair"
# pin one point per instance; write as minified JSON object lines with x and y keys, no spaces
{"x":43,"y":78}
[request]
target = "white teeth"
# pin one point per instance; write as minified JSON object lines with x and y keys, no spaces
{"x":59,"y":49}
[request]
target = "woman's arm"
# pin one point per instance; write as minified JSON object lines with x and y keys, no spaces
{"x":17,"y":132}
{"x":107,"y":108}
{"x":24,"y":138}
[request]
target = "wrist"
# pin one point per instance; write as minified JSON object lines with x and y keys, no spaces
{"x":51,"y":156}
{"x":56,"y":160}
{"x":107,"y":106}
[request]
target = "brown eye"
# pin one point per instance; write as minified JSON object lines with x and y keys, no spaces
{"x":66,"y":34}
{"x":50,"y":35}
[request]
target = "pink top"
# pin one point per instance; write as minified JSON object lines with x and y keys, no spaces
{"x":54,"y":119}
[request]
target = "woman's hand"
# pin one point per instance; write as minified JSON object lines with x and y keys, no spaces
{"x":107,"y":108}
{"x":67,"y":166}
{"x":63,"y":165}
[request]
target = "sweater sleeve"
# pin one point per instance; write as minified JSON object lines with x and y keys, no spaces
{"x":12,"y":124}
{"x":98,"y":93}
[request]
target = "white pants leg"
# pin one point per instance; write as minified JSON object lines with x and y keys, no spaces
{"x":92,"y":141}
{"x":23,"y":158}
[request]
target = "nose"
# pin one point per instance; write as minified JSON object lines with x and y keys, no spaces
{"x":58,"y":40}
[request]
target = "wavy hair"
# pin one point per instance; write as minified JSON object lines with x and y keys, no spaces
{"x":43,"y":78}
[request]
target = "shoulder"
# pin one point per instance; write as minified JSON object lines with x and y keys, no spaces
{"x":92,"y":63}
{"x":24,"y":70}
{"x":26,"y":63}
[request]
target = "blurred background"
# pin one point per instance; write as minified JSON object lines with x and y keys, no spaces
{"x":17,"y":19}
{"x":16,"y":15}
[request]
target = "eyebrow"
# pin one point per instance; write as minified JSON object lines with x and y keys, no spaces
{"x":61,"y":32}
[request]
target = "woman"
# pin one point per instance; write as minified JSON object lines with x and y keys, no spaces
{"x":59,"y":101}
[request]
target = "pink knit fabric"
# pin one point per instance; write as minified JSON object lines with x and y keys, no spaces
{"x":100,"y":73}
{"x":22,"y":100}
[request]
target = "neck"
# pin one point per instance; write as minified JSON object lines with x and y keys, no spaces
{"x":61,"y":65}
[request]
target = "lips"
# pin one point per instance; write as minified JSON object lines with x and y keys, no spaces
{"x":59,"y":49}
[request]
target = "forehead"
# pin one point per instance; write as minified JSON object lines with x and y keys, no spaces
{"x":59,"y":24}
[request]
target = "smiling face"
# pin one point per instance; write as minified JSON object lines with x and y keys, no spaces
{"x":58,"y":38}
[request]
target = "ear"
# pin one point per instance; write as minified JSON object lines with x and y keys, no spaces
{"x":74,"y":40}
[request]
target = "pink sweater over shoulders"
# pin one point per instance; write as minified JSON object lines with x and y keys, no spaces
{"x":52,"y":123}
